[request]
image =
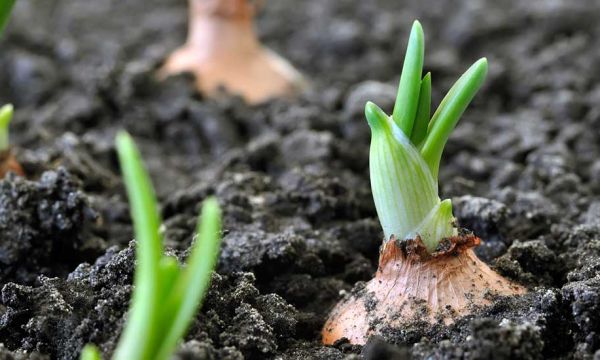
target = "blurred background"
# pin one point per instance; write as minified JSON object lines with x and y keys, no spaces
{"x":77,"y":65}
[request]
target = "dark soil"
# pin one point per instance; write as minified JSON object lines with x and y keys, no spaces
{"x":523,"y":168}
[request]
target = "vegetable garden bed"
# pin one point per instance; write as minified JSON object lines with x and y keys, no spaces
{"x":292,"y":175}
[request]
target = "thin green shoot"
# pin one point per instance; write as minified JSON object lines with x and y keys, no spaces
{"x":6,"y":112}
{"x":419,"y":131}
{"x":449,"y":112}
{"x":143,"y":318}
{"x":5,"y":10}
{"x":405,"y":108}
{"x":376,"y":117}
{"x":90,"y":352}
{"x":166,"y":297}
{"x":6,"y":115}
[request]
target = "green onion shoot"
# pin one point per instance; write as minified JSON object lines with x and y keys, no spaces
{"x":166,"y":297}
{"x":406,"y":149}
{"x":427,"y":269}
{"x":6,"y":115}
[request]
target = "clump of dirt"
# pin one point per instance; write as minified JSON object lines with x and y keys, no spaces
{"x":43,"y":224}
{"x":300,"y":228}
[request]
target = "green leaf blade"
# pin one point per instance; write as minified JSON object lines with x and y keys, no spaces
{"x":140,"y":329}
{"x":437,"y":225}
{"x":6,"y":115}
{"x":406,"y":104}
{"x":5,"y":10}
{"x":403,"y":188}
{"x":187,"y":294}
{"x":449,"y":112}
{"x":376,"y":118}
{"x":90,"y":352}
{"x":419,"y":131}
{"x":169,"y":273}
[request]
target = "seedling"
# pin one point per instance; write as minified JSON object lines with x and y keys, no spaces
{"x":166,"y":297}
{"x":8,"y":163}
{"x":6,"y":114}
{"x":222,"y":50}
{"x":425,"y":262}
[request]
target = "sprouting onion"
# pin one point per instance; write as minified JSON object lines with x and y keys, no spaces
{"x":427,"y":271}
{"x":406,"y":149}
{"x":166,"y":297}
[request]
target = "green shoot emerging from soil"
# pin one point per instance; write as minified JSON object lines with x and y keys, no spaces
{"x":90,"y":352}
{"x":406,"y":149}
{"x":6,"y":114}
{"x":5,"y":9}
{"x":166,"y":297}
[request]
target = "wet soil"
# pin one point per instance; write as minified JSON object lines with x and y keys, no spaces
{"x":300,"y":229}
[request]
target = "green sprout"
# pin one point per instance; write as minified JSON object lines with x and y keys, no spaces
{"x":166,"y":297}
{"x":406,"y":149}
{"x":6,"y":114}
{"x":5,"y":9}
{"x":90,"y":352}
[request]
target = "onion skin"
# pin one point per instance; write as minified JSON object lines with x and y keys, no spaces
{"x":223,"y":51}
{"x":8,"y":163}
{"x":412,"y":284}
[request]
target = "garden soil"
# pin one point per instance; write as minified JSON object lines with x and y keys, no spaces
{"x":300,"y":228}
